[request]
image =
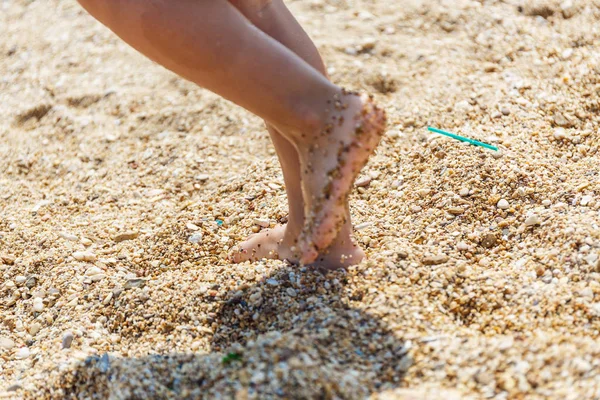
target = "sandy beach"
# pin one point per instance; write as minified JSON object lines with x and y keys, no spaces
{"x":123,"y":188}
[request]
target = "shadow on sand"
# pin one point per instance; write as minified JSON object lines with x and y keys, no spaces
{"x":293,"y":335}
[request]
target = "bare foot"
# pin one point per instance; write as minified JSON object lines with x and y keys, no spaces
{"x":331,"y":161}
{"x":275,"y":244}
{"x":264,"y":244}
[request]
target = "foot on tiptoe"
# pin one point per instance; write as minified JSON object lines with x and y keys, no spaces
{"x":275,"y":244}
{"x":331,"y":160}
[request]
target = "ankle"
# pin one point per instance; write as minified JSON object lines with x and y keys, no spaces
{"x":292,"y":230}
{"x":325,"y":115}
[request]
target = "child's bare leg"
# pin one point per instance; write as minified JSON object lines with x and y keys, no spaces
{"x":273,"y":18}
{"x":333,"y":131}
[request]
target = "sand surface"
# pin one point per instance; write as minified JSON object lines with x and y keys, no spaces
{"x":122,"y":188}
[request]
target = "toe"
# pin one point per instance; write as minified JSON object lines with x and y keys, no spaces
{"x":238,"y":255}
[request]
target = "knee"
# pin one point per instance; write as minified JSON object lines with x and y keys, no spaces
{"x":250,"y":5}
{"x":90,"y":5}
{"x":99,"y":9}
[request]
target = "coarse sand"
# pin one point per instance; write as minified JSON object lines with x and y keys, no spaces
{"x":123,"y":187}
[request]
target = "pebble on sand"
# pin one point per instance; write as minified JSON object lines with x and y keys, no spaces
{"x":424,"y":192}
{"x":192,"y":227}
{"x":84,"y":256}
{"x":586,"y":200}
{"x":38,"y":304}
{"x":68,"y":236}
{"x":562,"y":121}
{"x":363,"y":182}
{"x":34,"y":328}
{"x":435,"y":259}
{"x":195,"y":238}
{"x":135,"y":283}
{"x":95,"y":274}
{"x":263,"y":223}
{"x":93,"y":271}
{"x":405,"y":363}
{"x":6,"y":343}
{"x":363,"y":225}
{"x":560,"y":133}
{"x":415,"y":208}
{"x":67,"y":340}
{"x":22,"y":353}
{"x":533,"y":220}
{"x":503,"y":204}
{"x":31,"y":282}
{"x":456,"y":210}
{"x":489,"y":241}
{"x":462,"y":246}
{"x":129,"y":235}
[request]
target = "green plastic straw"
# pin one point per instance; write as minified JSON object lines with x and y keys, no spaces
{"x":462,"y":138}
